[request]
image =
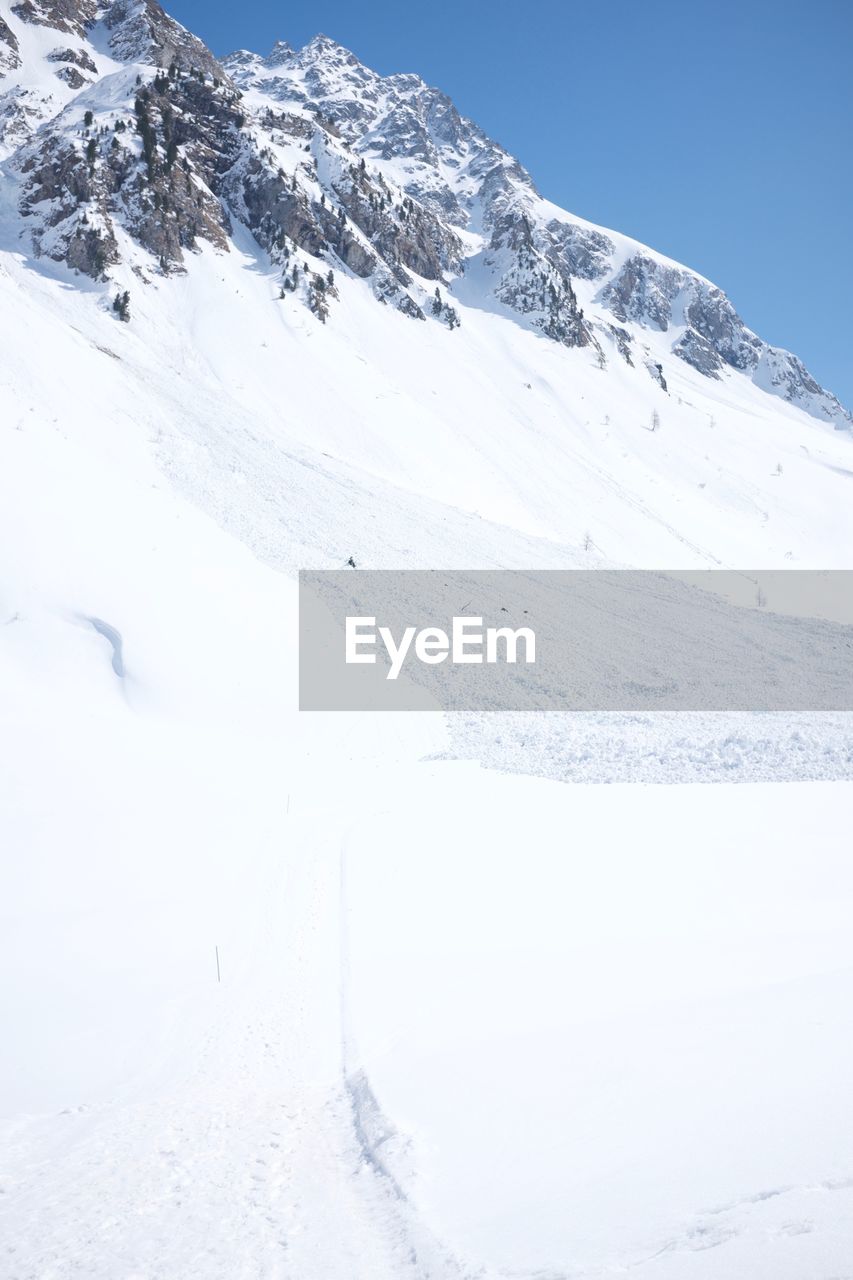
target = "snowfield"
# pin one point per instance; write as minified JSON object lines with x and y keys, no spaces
{"x":468,"y":1024}
{"x":473,"y":1023}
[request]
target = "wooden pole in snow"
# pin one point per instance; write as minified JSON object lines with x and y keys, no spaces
{"x":218,"y":974}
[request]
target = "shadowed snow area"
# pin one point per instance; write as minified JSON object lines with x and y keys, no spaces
{"x":114,"y":640}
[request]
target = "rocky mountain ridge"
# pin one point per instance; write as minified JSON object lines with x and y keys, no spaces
{"x":131,"y":141}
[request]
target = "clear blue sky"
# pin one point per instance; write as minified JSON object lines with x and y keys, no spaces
{"x":717,"y":131}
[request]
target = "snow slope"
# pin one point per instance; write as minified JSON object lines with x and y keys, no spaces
{"x":165,"y":486}
{"x":635,"y":1060}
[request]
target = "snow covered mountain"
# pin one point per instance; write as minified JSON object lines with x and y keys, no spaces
{"x":271,"y":313}
{"x":313,"y":152}
{"x":531,"y":250}
{"x":289,"y":196}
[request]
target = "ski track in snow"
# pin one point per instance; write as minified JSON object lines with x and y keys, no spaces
{"x":257,"y":1165}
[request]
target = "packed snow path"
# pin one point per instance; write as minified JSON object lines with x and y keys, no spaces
{"x":248,"y":1161}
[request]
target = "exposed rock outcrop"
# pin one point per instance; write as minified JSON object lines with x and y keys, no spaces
{"x":73,"y":16}
{"x":10,"y":58}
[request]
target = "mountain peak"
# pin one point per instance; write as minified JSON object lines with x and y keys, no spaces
{"x":321,"y":43}
{"x":142,"y":31}
{"x":319,"y":50}
{"x":281,"y":52}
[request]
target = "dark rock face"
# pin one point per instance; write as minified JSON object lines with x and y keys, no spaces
{"x":78,"y":190}
{"x":71,"y":76}
{"x":714,"y":318}
{"x":579,"y":251}
{"x":165,"y":208}
{"x":70,"y":197}
{"x":530,"y":280}
{"x":359,"y":218}
{"x":281,"y":215}
{"x":142,"y":31}
{"x":77,"y":61}
{"x":530,"y":285}
{"x":644,"y":291}
{"x":91,"y":251}
{"x":10,"y":58}
{"x":64,"y":15}
{"x":405,"y":235}
{"x":660,"y":296}
{"x":77,"y":57}
{"x":700,"y":353}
